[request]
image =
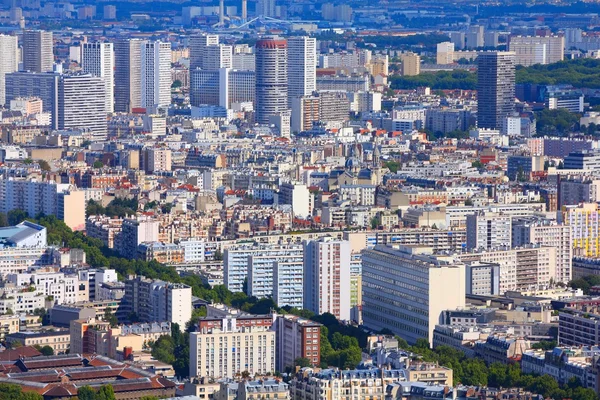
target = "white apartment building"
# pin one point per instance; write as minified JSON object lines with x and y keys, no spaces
{"x":521,"y":268}
{"x":298,"y":196}
{"x":158,"y":301}
{"x":14,"y":260}
{"x":549,"y":234}
{"x":156,"y":74}
{"x":9,"y":48}
{"x":98,"y":59}
{"x":199,"y":250}
{"x":530,"y":50}
{"x":406,"y":289}
{"x":488,"y":231}
{"x":158,"y":159}
{"x":82,"y":103}
{"x":302,"y":66}
{"x":18,"y":301}
{"x":64,"y":289}
{"x":326,"y":277}
{"x":584,"y":221}
{"x":48,"y":198}
{"x":217,"y":57}
{"x":277,"y":272}
{"x":134,"y":232}
{"x":228,"y":349}
{"x":445,"y":53}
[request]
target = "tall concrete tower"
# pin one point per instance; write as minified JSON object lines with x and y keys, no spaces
{"x":98,"y":59}
{"x":271,"y":78}
{"x":495,"y":88}
{"x":38,"y":53}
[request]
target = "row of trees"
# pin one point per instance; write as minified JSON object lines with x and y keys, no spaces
{"x":119,"y":207}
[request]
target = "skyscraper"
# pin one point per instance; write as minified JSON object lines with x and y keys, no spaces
{"x":265,"y":8}
{"x":271,"y":78}
{"x":156,"y":74}
{"x":37,"y":51}
{"x":9,"y":62}
{"x":302,"y":66}
{"x":495,"y":88}
{"x":198,"y":45}
{"x":327,"y":277}
{"x":128,"y":74}
{"x":98,"y":60}
{"x":82,"y":104}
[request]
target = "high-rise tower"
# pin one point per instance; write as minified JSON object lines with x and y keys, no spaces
{"x":271,"y":78}
{"x":495,"y":88}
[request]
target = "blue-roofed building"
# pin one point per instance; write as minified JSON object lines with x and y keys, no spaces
{"x":26,"y":234}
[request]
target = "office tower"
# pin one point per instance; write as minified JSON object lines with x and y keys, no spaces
{"x":302,"y":66}
{"x":82,"y":104}
{"x":411,"y":64}
{"x":128,"y":74}
{"x":265,"y":8}
{"x":445,"y":53}
{"x":296,"y":338}
{"x":495,"y":88}
{"x":31,"y":84}
{"x":217,"y":57}
{"x":222,"y":87}
{"x":227,"y":347}
{"x":407,"y":289}
{"x":38,"y":53}
{"x":327,"y":277}
{"x":475,"y":37}
{"x":198,"y":45}
{"x":156,"y":74}
{"x":487,"y":230}
{"x":158,"y":301}
{"x":98,"y":60}
{"x":9,"y":62}
{"x":271,"y":78}
{"x":530,"y":50}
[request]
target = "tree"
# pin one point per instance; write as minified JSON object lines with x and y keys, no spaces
{"x":3,"y":220}
{"x":47,"y":350}
{"x":375,"y":223}
{"x":176,"y":84}
{"x":218,"y":256}
{"x":98,"y":164}
{"x":302,"y":362}
{"x":44,"y":166}
{"x":16,"y":216}
{"x":106,"y":392}
{"x":164,"y":349}
{"x":86,"y":393}
{"x":110,"y":318}
{"x":9,"y":391}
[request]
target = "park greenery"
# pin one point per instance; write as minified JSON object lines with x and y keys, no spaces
{"x":585,"y":283}
{"x":9,"y":391}
{"x":118,"y":207}
{"x":581,"y":73}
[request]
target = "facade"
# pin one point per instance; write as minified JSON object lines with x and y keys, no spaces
{"x":488,"y":231}
{"x":198,"y":45}
{"x":326,"y":273}
{"x":279,"y":272}
{"x":82,"y":103}
{"x":133,"y":233}
{"x":128,"y":74}
{"x":48,"y":198}
{"x":584,"y":222}
{"x":520,"y":268}
{"x":29,"y":84}
{"x":530,"y":50}
{"x":583,"y":159}
{"x":158,"y":301}
{"x":9,"y":48}
{"x":271,"y":78}
{"x":63,"y":289}
{"x":38,"y":53}
{"x":411,"y":64}
{"x":495,"y":88}
{"x":445,"y":53}
{"x":98,"y":60}
{"x":305,"y":111}
{"x":404,"y":290}
{"x":59,"y":340}
{"x":302,"y":66}
{"x":296,"y":337}
{"x":224,"y":348}
{"x":156,"y":74}
{"x":223,"y":87}
{"x":550,"y":234}
{"x":298,"y":196}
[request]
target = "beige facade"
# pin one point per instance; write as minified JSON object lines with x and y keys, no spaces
{"x":411,"y":64}
{"x":227,"y":353}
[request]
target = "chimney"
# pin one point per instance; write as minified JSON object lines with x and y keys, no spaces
{"x":127,"y":352}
